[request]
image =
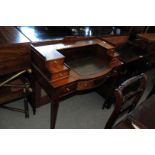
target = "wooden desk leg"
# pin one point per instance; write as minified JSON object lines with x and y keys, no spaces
{"x":36,"y":95}
{"x":54,"y":111}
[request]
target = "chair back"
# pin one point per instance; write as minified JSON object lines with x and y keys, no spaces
{"x":127,"y":96}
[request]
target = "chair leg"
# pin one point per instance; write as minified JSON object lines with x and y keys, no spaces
{"x":34,"y":110}
{"x":36,"y":95}
{"x":105,"y":104}
{"x":108,"y":102}
{"x":31,"y":103}
{"x":110,"y":123}
{"x":26,"y":108}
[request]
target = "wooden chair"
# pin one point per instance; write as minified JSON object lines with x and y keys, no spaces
{"x":15,"y":87}
{"x":127,"y":96}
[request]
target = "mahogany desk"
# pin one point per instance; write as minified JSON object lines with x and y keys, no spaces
{"x":60,"y":74}
{"x":58,"y":67}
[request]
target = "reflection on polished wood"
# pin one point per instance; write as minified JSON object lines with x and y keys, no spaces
{"x":42,"y":33}
{"x":10,"y":35}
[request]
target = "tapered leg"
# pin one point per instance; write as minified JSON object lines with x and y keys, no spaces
{"x":54,"y":111}
{"x":26,"y":108}
{"x":35,"y":96}
{"x":110,"y":122}
{"x":108,"y":102}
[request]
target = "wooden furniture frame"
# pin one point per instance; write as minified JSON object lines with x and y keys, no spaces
{"x":142,"y":117}
{"x":17,"y":86}
{"x":58,"y":79}
{"x":122,"y":105}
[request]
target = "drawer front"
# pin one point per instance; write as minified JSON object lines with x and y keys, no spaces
{"x":83,"y":85}
{"x":68,"y":89}
{"x":60,"y":75}
{"x":55,"y":63}
{"x":89,"y":84}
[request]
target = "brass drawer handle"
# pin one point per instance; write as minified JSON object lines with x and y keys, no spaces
{"x":55,"y":62}
{"x":85,"y":85}
{"x":67,"y":90}
{"x":61,"y":75}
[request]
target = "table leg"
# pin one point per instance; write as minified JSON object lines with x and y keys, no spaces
{"x":54,"y":111}
{"x":36,"y":95}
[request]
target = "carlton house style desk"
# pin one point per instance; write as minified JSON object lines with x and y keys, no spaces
{"x":64,"y":67}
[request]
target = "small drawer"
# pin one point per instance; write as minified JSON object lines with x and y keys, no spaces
{"x":84,"y":85}
{"x":89,"y":84}
{"x":68,"y":89}
{"x":60,"y":75}
{"x":55,"y":63}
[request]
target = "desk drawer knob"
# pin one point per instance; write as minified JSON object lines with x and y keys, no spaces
{"x":55,"y":62}
{"x":61,"y":75}
{"x":85,"y":85}
{"x":67,"y":89}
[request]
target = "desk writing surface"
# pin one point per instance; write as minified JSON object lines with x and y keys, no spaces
{"x":88,"y":65}
{"x":87,"y":60}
